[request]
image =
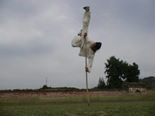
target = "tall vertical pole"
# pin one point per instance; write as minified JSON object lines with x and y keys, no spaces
{"x":86,"y":71}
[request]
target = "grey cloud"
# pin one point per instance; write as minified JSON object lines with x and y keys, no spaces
{"x":35,"y":48}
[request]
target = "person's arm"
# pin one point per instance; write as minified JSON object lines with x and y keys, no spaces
{"x":90,"y":63}
{"x":85,"y":35}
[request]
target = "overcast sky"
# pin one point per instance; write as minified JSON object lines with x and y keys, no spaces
{"x":35,"y":40}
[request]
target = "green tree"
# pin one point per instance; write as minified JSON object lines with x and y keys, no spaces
{"x":101,"y":83}
{"x":44,"y":87}
{"x":132,"y":73}
{"x":117,"y":70}
{"x":113,"y":70}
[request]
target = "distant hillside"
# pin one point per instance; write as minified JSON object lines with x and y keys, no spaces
{"x":148,"y":81}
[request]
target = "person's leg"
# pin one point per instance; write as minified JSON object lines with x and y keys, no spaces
{"x":86,"y":19}
{"x":76,"y":42}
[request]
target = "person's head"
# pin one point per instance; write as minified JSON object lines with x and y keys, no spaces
{"x":96,"y":46}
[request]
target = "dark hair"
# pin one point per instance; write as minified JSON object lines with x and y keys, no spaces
{"x":98,"y":45}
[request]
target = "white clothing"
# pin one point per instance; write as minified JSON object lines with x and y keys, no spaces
{"x":79,"y":41}
{"x":86,"y":20}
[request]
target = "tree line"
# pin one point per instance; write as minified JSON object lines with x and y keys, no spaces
{"x":117,"y":71}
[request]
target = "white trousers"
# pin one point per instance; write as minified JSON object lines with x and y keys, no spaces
{"x":86,"y":20}
{"x":78,"y":41}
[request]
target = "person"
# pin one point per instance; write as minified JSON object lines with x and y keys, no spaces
{"x":79,"y":41}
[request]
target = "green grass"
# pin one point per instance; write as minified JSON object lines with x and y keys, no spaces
{"x":95,"y":109}
{"x":37,"y":100}
{"x":123,"y":105}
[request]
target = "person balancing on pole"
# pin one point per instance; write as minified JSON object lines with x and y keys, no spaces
{"x":87,"y":47}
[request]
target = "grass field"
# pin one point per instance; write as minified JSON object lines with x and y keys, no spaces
{"x":126,"y":105}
